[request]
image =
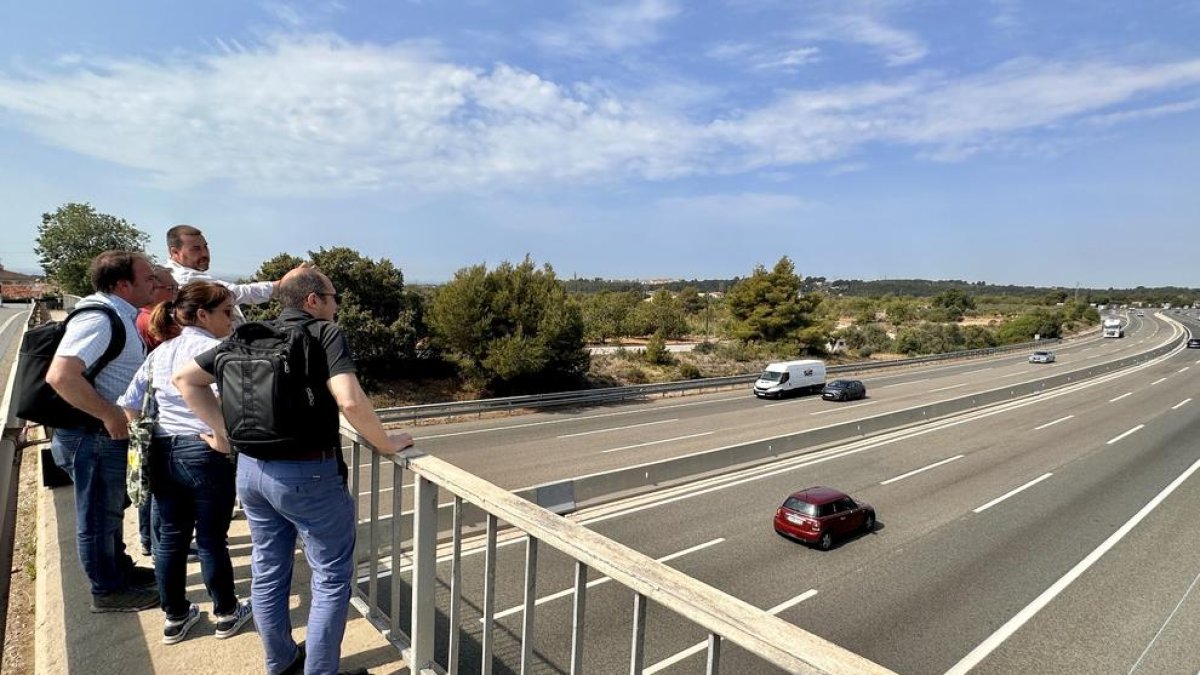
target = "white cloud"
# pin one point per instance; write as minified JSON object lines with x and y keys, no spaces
{"x":754,"y":57}
{"x":322,"y":116}
{"x":611,"y":27}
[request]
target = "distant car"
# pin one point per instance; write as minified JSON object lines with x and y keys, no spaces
{"x":1141,"y":314}
{"x":1041,"y":357}
{"x":844,"y":390}
{"x":818,"y":515}
{"x":1194,"y":343}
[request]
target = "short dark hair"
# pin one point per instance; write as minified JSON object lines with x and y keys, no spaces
{"x":296,"y":286}
{"x":175,"y":235}
{"x":112,"y":267}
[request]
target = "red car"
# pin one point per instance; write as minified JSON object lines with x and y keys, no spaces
{"x":817,"y":515}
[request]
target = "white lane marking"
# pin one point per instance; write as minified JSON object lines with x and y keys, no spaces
{"x":1114,"y":400}
{"x":923,"y":379}
{"x":1164,"y":625}
{"x":1198,"y":361}
{"x":1137,"y":428}
{"x":1183,"y":369}
{"x":1050,"y":424}
{"x":665,"y":440}
{"x":578,"y":419}
{"x":701,"y":646}
{"x":843,"y":407}
{"x":596,"y":582}
{"x":799,"y":400}
{"x":977,"y":370}
{"x":1020,"y":372}
{"x":628,"y":426}
{"x":924,"y":468}
{"x":1182,"y":403}
{"x":1006,"y":495}
{"x":1161,"y":379}
{"x":953,"y":386}
{"x":1012,"y":625}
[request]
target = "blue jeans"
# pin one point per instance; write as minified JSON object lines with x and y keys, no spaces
{"x":281,"y":499}
{"x":96,"y":464}
{"x":193,"y":490}
{"x":148,"y":524}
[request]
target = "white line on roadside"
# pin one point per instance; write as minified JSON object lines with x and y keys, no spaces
{"x":665,"y":440}
{"x":924,"y":468}
{"x":578,"y":419}
{"x":701,"y":646}
{"x":1161,"y":379}
{"x":1163,"y":627}
{"x":1182,"y":403}
{"x":1114,"y":400}
{"x":843,"y":407}
{"x":953,"y":386}
{"x":628,"y":426}
{"x":1137,"y":428}
{"x":1020,"y":372}
{"x":1050,"y":424}
{"x":977,"y":370}
{"x":1006,"y":495}
{"x":1183,"y":369}
{"x":596,"y":582}
{"x":1021,"y":618}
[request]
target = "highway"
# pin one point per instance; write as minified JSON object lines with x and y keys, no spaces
{"x":1053,"y":534}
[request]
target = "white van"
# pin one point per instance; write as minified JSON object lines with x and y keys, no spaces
{"x":790,"y":377}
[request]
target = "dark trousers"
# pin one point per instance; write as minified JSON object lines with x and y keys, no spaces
{"x":193,"y":491}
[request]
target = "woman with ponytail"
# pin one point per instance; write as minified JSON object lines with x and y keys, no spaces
{"x":193,"y":483}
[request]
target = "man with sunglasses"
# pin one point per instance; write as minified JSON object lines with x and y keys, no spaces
{"x":305,"y":494}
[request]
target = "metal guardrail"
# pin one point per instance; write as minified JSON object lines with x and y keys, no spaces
{"x":10,"y":465}
{"x":723,"y":617}
{"x":611,"y":394}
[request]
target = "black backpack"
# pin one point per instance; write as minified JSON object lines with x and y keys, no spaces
{"x":267,"y":394}
{"x":37,"y":401}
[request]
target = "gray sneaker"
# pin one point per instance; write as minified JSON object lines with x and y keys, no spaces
{"x":228,"y":625}
{"x":175,"y":630}
{"x":133,"y":600}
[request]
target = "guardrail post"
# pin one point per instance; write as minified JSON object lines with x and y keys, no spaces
{"x":424,"y":581}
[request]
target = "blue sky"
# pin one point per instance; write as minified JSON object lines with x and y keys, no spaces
{"x":1009,"y":141}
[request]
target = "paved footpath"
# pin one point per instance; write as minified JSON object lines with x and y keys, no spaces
{"x":70,"y":639}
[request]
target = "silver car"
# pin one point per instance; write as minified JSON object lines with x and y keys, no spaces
{"x":1041,"y":357}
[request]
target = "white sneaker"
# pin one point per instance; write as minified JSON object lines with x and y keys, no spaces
{"x":228,"y":625}
{"x":175,"y":630}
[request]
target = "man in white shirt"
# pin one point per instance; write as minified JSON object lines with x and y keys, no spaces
{"x":190,"y":258}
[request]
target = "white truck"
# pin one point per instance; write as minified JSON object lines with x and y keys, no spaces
{"x":1113,"y":328}
{"x":790,"y":377}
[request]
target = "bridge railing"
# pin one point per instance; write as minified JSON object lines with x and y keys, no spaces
{"x":11,"y":443}
{"x":409,"y":617}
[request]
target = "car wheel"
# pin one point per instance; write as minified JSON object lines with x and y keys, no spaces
{"x":869,"y":523}
{"x":826,"y":541}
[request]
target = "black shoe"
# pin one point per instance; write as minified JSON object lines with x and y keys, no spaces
{"x":175,"y":630}
{"x":193,"y":555}
{"x":296,"y":667}
{"x":356,"y":671}
{"x":146,"y":552}
{"x":229,"y":624}
{"x":124,"y":601}
{"x":141,"y":577}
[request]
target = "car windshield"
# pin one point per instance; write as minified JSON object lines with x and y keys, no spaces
{"x":770,"y":375}
{"x":800,"y":507}
{"x":1048,"y":353}
{"x":838,"y":384}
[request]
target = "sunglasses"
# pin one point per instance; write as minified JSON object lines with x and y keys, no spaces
{"x":337,"y":297}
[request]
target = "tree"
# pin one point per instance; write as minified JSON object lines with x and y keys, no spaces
{"x":381,"y":320}
{"x":70,"y":237}
{"x":663,"y":314}
{"x":512,"y":328}
{"x":606,"y":314}
{"x":768,"y":307}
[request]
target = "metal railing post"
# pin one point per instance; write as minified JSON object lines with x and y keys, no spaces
{"x":424,"y":573}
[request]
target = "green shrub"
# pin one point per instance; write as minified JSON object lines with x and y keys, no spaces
{"x":633,"y":374}
{"x":656,"y":351}
{"x":689,"y":371}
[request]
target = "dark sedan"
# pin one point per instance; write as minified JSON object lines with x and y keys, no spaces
{"x":818,"y":515}
{"x":1193,"y":343}
{"x":844,"y":390}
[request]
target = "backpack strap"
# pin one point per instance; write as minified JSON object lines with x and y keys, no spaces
{"x":116,"y":343}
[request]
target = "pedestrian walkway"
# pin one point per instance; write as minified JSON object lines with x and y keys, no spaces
{"x":70,"y":639}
